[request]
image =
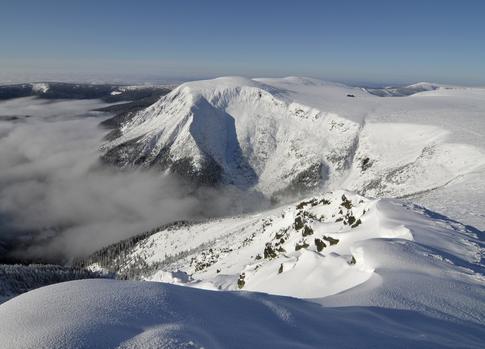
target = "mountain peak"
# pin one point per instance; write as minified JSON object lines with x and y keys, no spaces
{"x":238,"y":131}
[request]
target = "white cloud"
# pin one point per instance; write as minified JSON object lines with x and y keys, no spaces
{"x":53,"y":187}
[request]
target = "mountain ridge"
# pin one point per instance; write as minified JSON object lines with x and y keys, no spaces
{"x":287,"y":136}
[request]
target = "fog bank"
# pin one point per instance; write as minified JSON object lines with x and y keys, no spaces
{"x":58,"y":202}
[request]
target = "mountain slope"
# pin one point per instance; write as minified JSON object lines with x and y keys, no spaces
{"x":16,"y":279}
{"x":61,"y":90}
{"x":293,"y":135}
{"x":402,"y":91}
{"x":122,"y":314}
{"x":339,"y":249}
{"x":237,"y":131}
{"x":378,"y":273}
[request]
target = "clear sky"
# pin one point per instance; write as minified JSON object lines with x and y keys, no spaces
{"x":359,"y":41}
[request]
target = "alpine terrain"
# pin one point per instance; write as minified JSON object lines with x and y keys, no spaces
{"x":375,"y":238}
{"x":290,"y":136}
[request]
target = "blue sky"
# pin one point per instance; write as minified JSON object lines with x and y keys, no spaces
{"x":359,"y":41}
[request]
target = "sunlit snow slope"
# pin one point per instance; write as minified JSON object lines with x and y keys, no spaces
{"x":125,"y":314}
{"x":358,"y":251}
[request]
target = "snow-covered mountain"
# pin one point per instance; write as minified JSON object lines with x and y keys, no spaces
{"x":239,"y":131}
{"x":378,"y":273}
{"x":16,"y":279}
{"x":358,"y":264}
{"x":295,"y":134}
{"x":322,"y":246}
{"x":401,"y":91}
{"x":64,"y":90}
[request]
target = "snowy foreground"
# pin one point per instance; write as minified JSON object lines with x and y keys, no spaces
{"x":374,"y":273}
{"x":128,"y":314}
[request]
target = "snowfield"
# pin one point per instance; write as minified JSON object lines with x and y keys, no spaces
{"x":128,"y":314}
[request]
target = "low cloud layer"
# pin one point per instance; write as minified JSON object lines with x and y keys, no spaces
{"x":57,"y":202}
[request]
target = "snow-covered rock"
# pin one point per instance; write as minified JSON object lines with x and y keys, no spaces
{"x":40,"y":87}
{"x":338,"y":248}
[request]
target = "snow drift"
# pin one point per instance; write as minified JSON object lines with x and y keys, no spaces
{"x":123,"y":314}
{"x":339,"y":248}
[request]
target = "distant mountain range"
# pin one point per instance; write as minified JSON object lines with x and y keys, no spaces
{"x":402,"y":91}
{"x":60,"y":90}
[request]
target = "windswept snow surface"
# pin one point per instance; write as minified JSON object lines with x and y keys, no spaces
{"x":287,"y":135}
{"x":127,"y":314}
{"x":333,"y":244}
{"x":383,"y":273}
